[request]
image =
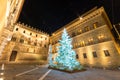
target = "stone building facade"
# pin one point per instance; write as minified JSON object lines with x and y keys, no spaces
{"x":27,"y":45}
{"x":92,"y":40}
{"x":9,"y":14}
{"x":20,"y":43}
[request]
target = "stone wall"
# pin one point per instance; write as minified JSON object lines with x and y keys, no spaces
{"x":101,"y":60}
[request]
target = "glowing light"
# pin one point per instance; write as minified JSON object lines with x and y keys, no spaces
{"x":66,"y":58}
{"x":1,"y":73}
{"x":80,"y":18}
{"x":9,"y":37}
{"x":8,"y":9}
{"x":3,"y":67}
{"x":1,"y":79}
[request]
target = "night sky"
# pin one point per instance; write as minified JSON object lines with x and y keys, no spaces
{"x":50,"y":15}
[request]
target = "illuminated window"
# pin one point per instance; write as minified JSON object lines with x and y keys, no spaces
{"x":16,"y":29}
{"x":94,"y":54}
{"x":106,"y":52}
{"x":79,"y":31}
{"x":90,"y":41}
{"x":82,"y":43}
{"x":84,"y":55}
{"x":101,"y":38}
{"x":87,"y":28}
{"x":95,"y":25}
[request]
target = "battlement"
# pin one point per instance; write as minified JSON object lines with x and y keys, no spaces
{"x":28,"y":27}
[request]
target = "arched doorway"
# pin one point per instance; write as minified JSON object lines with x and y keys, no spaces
{"x":13,"y":56}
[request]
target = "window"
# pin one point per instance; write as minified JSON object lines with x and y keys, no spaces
{"x":35,"y":43}
{"x":95,"y":25}
{"x":21,"y":41}
{"x":82,"y":43}
{"x":84,"y":55}
{"x":36,"y":35}
{"x":73,"y":34}
{"x":16,"y":29}
{"x":77,"y":57}
{"x":13,"y":39}
{"x":45,"y":38}
{"x":45,"y":46}
{"x":79,"y":31}
{"x":101,"y":38}
{"x":40,"y":45}
{"x":90,"y":41}
{"x":87,"y":28}
{"x":94,"y":54}
{"x":106,"y":52}
{"x":24,"y":31}
{"x":30,"y":33}
{"x":29,"y":41}
{"x":44,"y":58}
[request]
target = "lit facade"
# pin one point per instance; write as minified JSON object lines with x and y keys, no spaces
{"x":9,"y":13}
{"x":92,"y":40}
{"x":20,"y":43}
{"x":27,"y":45}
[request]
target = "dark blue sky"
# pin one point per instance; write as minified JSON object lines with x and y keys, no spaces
{"x":50,"y":15}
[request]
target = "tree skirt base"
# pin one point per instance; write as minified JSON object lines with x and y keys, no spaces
{"x":68,"y":71}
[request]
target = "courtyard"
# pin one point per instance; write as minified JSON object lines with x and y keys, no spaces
{"x":41,"y":72}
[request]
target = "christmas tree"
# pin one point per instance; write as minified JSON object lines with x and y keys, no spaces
{"x":66,"y":59}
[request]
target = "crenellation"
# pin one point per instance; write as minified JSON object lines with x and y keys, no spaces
{"x":22,"y":24}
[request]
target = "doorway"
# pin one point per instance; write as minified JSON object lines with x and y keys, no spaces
{"x":13,"y":56}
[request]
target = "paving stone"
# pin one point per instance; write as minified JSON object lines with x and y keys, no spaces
{"x":11,"y":71}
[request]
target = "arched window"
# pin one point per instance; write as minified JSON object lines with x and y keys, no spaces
{"x":13,"y":39}
{"x":16,"y":29}
{"x":24,"y":31}
{"x":95,"y":25}
{"x":36,"y":35}
{"x":87,"y":28}
{"x":30,"y":33}
{"x":21,"y":40}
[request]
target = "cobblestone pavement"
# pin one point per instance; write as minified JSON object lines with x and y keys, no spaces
{"x":33,"y":72}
